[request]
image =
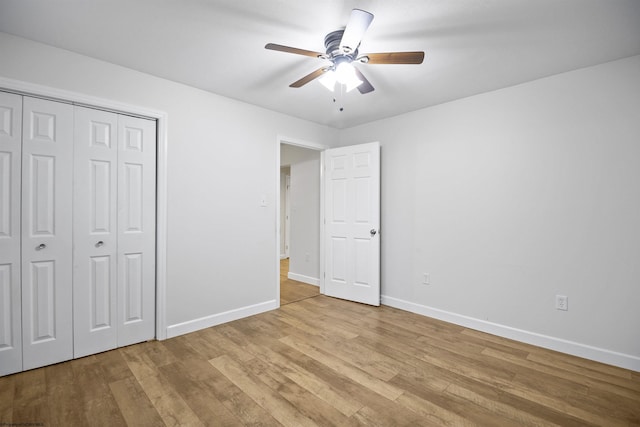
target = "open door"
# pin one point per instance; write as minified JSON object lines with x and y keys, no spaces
{"x":352,"y":222}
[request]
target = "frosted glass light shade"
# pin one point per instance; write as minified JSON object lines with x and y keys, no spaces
{"x":328,"y":80}
{"x":344,"y":74}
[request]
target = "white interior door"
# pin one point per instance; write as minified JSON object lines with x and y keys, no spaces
{"x":352,"y":221}
{"x":136,"y":229}
{"x":95,"y":231}
{"x":10,"y":177}
{"x":47,"y":165}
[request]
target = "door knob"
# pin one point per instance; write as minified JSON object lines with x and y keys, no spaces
{"x":100,"y":243}
{"x":373,"y":232}
{"x":41,"y":246}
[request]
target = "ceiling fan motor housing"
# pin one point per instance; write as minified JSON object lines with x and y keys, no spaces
{"x":334,"y":52}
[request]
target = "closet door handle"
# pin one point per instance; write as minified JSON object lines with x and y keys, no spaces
{"x":100,"y":243}
{"x":41,"y":246}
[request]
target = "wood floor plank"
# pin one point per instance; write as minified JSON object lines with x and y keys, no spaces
{"x":264,"y":326}
{"x":214,"y":383}
{"x":325,"y":361}
{"x":195,"y":392}
{"x":7,"y":391}
{"x":349,"y":351}
{"x":433,"y":413}
{"x":305,"y":379}
{"x":29,"y":399}
{"x":138,"y":361}
{"x":134,"y":404}
{"x":530,"y":415}
{"x":201,"y":342}
{"x":317,"y":410}
{"x":63,"y":397}
{"x":581,"y":385}
{"x":276,"y":405}
{"x":96,"y":400}
{"x":213,"y":388}
{"x":338,"y":365}
{"x":281,"y":380}
{"x":450,"y":407}
{"x":217,"y":338}
{"x":157,"y":352}
{"x":331,"y":329}
{"x":172,"y":408}
{"x":589,"y":370}
{"x":114,"y":366}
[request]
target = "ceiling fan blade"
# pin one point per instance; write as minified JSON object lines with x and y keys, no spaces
{"x":311,"y":76}
{"x":365,"y":87}
{"x":281,"y":48}
{"x":358,"y":23}
{"x":394,"y":58}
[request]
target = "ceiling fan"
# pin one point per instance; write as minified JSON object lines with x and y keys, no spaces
{"x":342,"y":50}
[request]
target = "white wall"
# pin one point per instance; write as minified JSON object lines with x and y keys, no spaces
{"x":511,"y":197}
{"x":304,"y":244}
{"x":222,"y":159}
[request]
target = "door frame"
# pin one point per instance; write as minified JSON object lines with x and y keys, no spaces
{"x":283,"y":139}
{"x":39,"y":91}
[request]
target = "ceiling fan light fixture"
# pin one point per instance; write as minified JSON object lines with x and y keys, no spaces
{"x":346,"y":75}
{"x":343,"y":74}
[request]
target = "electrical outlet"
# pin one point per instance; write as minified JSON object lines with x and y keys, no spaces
{"x":562,"y":302}
{"x":426,"y":279}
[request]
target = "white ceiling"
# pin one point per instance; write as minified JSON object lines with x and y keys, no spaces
{"x":472,"y":46}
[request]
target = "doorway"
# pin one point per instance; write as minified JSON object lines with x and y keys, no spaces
{"x":299,"y":210}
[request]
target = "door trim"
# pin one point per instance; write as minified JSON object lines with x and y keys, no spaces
{"x":60,"y":95}
{"x":283,"y":139}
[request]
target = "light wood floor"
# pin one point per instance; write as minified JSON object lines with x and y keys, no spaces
{"x":323,"y":361}
{"x":292,"y":290}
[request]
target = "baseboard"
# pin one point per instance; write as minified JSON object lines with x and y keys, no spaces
{"x":609,"y":357}
{"x":283,"y":256}
{"x":217,"y":319}
{"x":304,"y":279}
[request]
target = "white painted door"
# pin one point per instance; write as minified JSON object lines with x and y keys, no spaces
{"x":47,"y":165}
{"x":95,"y":231}
{"x":10,"y":177}
{"x":352,"y":222}
{"x":136,"y":229}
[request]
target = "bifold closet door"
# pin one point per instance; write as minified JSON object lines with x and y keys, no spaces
{"x":136,"y":229}
{"x":95,"y":231}
{"x":114,"y":231}
{"x":47,"y":180}
{"x":10,"y":177}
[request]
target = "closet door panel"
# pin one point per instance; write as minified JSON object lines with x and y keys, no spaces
{"x":136,"y":229}
{"x":10,"y":176}
{"x":47,"y":164}
{"x":95,"y":231}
